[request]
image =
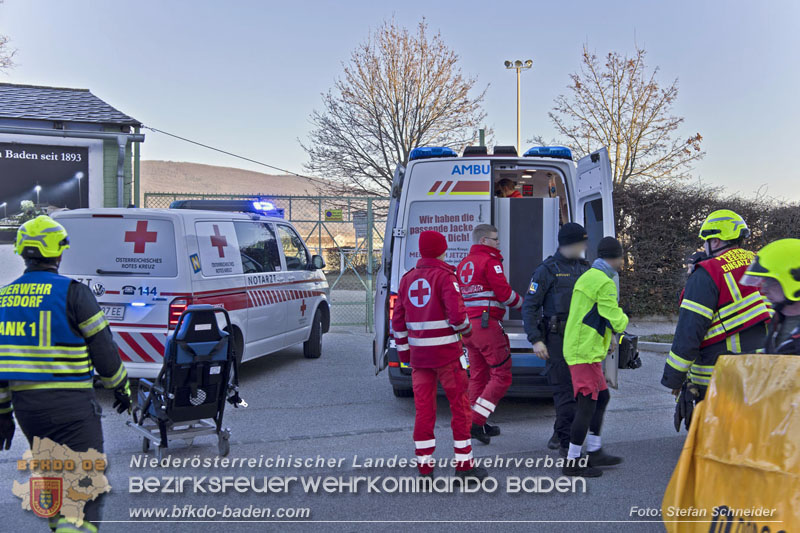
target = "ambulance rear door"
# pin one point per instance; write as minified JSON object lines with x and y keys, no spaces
{"x":384,"y":275}
{"x":593,"y":208}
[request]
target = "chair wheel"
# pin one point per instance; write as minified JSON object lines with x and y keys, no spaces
{"x":224,"y":443}
{"x":145,"y":444}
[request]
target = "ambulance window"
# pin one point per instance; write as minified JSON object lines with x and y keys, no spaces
{"x":294,"y":251}
{"x":593,"y":222}
{"x":258,"y":247}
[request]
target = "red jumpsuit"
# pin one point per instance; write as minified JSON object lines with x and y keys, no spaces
{"x":484,"y":287}
{"x":428,"y":316}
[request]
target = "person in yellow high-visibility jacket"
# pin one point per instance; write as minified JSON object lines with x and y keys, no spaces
{"x":594,"y":317}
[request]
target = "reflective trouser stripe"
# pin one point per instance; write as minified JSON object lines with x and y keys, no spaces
{"x":400,"y":334}
{"x":401,"y":347}
{"x":481,"y":410}
{"x":487,"y":404}
{"x":422,"y":444}
{"x":31,"y":385}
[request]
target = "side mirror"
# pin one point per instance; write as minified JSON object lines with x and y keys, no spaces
{"x":317,"y":262}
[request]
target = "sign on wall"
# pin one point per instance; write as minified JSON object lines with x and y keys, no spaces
{"x":61,"y":172}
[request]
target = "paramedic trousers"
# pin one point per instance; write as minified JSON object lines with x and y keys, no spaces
{"x":69,"y":417}
{"x":559,"y":378}
{"x":489,"y":368}
{"x":453,"y":378}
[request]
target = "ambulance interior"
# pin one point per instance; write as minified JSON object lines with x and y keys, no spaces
{"x":527,"y":224}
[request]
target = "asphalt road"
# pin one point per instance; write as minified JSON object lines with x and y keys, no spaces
{"x":335,"y":407}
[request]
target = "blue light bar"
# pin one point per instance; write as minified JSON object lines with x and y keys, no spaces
{"x":559,"y":152}
{"x":264,"y":206}
{"x":427,"y":152}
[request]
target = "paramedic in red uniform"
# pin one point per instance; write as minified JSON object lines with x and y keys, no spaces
{"x":428,"y":318}
{"x":486,"y":295}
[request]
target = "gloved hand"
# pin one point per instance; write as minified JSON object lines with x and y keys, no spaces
{"x":122,"y":397}
{"x":7,"y":428}
{"x":685,"y":405}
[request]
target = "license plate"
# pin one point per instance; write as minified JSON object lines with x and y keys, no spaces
{"x":114,"y":312}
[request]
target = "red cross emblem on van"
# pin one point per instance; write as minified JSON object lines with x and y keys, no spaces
{"x":140,"y":237}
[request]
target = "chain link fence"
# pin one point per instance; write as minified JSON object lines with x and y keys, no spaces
{"x":346,"y":231}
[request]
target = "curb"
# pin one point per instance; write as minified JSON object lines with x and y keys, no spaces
{"x":657,"y":347}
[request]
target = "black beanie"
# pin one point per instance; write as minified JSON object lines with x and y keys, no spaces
{"x":571,"y":233}
{"x":609,"y":248}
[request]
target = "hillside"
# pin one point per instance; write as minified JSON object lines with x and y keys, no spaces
{"x":173,"y":176}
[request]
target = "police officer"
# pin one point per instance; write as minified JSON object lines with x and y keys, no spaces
{"x":429,"y":316}
{"x":66,"y":338}
{"x":717,"y":313}
{"x":544,"y":315}
{"x":776,"y":272}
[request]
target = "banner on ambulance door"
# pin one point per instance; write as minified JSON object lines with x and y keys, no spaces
{"x":740,"y":465}
{"x":219,"y":248}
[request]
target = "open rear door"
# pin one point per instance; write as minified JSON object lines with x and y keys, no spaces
{"x":380,"y":344}
{"x":594,"y":209}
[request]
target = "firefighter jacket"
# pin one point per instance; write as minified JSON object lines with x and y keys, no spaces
{"x":429,"y":315}
{"x":716,"y":315}
{"x":550,"y":293}
{"x":483,"y":284}
{"x":53,"y":335}
{"x":594,"y":316}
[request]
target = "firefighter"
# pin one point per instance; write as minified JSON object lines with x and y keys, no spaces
{"x":594,"y":318}
{"x":776,"y":272}
{"x":486,"y":294}
{"x":428,"y":318}
{"x":544,"y":315}
{"x":69,"y":339}
{"x":717,"y":313}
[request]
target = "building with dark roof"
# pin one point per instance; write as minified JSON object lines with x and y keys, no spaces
{"x":64,"y":147}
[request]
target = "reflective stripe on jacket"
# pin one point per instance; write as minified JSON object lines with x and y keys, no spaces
{"x":429,"y":315}
{"x":484,"y":285}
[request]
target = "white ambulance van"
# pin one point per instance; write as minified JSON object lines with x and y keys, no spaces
{"x":438,"y":190}
{"x":145,"y":266}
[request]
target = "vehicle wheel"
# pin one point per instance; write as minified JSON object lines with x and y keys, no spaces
{"x":224,"y":443}
{"x":403,"y":393}
{"x":312,"y":348}
{"x":145,"y":445}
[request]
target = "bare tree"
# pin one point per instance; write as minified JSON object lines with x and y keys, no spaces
{"x":619,"y":104}
{"x":6,"y":52}
{"x":400,"y":90}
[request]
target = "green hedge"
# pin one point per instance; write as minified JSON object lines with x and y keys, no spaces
{"x":658,"y":225}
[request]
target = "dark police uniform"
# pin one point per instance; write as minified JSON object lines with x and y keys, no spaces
{"x":717,"y":315}
{"x":55,"y":337}
{"x":544,"y":315}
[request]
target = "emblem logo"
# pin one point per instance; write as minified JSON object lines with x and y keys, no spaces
{"x":98,"y":289}
{"x":46,"y":495}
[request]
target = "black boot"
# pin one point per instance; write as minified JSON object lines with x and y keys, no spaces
{"x":479,"y":432}
{"x":475,"y":472}
{"x":601,"y":458}
{"x":490,"y":430}
{"x":554,"y":443}
{"x":572,"y":468}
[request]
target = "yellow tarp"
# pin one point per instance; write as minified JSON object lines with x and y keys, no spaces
{"x":742,"y":454}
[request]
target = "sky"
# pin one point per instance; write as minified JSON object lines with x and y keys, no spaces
{"x":245,"y":75}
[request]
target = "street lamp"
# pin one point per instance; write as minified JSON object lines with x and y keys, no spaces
{"x":79,"y":177}
{"x":4,"y":205}
{"x":38,"y":189}
{"x":519,"y":66}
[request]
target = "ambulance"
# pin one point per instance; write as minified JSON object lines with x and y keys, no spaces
{"x":145,"y":266}
{"x":438,"y":190}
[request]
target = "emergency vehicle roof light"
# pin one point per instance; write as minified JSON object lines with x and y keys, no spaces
{"x":259,"y":207}
{"x":559,"y":152}
{"x":427,"y":152}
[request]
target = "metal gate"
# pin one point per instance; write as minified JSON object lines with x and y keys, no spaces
{"x":346,"y":231}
